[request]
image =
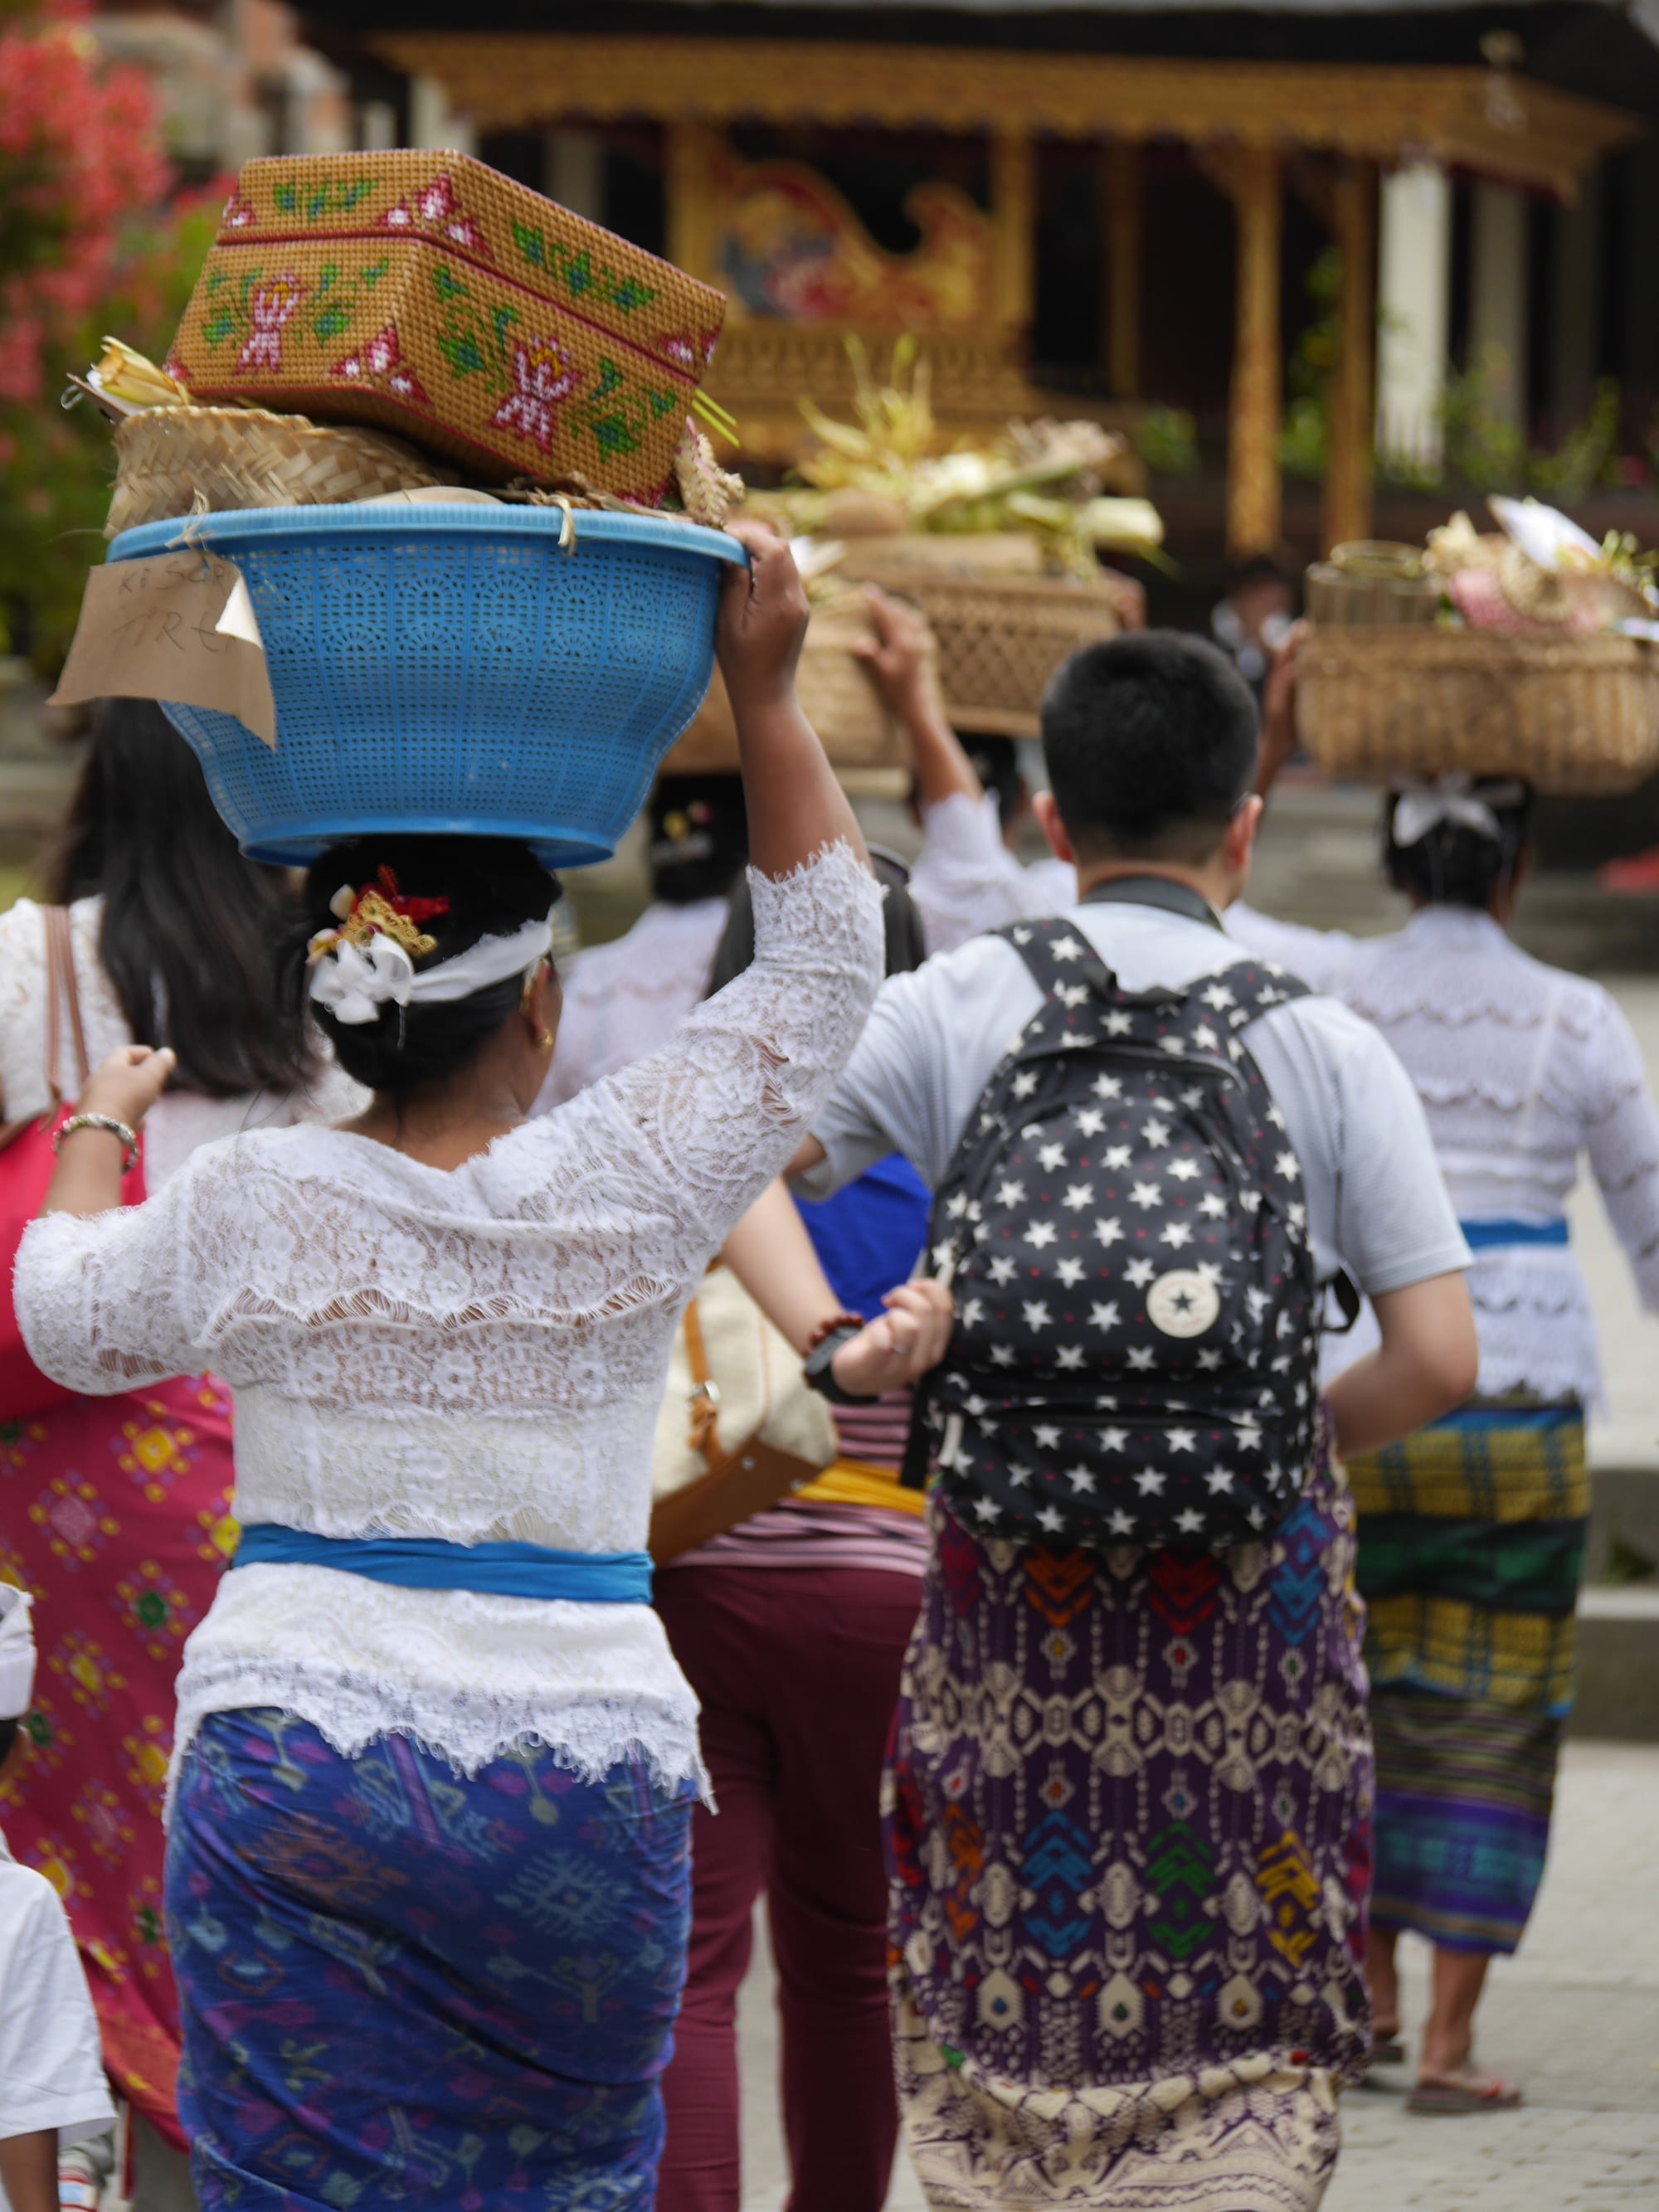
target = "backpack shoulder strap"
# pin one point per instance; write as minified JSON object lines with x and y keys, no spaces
{"x":63,"y":996}
{"x":1056,"y":952}
{"x":1247,"y":989}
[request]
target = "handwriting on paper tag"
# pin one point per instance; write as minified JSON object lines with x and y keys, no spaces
{"x":178,"y":626}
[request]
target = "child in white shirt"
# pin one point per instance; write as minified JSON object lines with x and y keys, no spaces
{"x":52,"y":2090}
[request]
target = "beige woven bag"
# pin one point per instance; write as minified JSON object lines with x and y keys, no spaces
{"x":738,"y":1429}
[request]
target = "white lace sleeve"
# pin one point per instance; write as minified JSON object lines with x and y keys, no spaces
{"x":966,"y":881}
{"x":101,"y":1298}
{"x":1621,"y":1133}
{"x":705,"y":1123}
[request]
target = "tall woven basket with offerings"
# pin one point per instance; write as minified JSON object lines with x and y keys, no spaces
{"x":1527,"y":650}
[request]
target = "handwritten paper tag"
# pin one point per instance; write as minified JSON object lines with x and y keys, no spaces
{"x":178,"y":626}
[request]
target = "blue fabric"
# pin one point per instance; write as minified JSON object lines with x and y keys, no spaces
{"x":1489,"y":1235}
{"x":402,"y":1987}
{"x":1478,"y":1420}
{"x":868,"y":1235}
{"x":428,"y":1563}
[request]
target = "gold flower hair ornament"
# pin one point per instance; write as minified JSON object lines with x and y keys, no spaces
{"x":379,"y":909}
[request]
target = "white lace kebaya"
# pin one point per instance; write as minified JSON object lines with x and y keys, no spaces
{"x":476,"y":1356}
{"x":1524,"y":1071}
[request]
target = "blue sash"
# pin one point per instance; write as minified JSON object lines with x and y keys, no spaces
{"x":427,"y":1563}
{"x":1487,"y":1236}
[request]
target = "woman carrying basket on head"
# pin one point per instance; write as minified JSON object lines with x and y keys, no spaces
{"x":1472,"y":1531}
{"x":428,"y":1865}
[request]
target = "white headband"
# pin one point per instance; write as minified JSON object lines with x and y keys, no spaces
{"x":355,"y":982}
{"x":1452,"y":801}
{"x":16,"y":1653}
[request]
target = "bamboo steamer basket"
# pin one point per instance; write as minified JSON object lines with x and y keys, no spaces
{"x":1000,"y":637}
{"x":837,"y":695}
{"x":1575,"y":716}
{"x":964,"y":553}
{"x":173,"y":461}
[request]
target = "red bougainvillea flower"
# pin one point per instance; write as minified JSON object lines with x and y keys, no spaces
{"x":80,"y":157}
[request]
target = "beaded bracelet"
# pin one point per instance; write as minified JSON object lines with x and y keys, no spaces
{"x":828,"y":1328}
{"x":110,"y":1125}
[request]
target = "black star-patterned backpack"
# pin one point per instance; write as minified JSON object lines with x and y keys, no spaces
{"x":1134,"y":1359}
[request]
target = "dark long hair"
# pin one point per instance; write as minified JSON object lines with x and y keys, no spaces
{"x":193,"y":934}
{"x":491,"y":887}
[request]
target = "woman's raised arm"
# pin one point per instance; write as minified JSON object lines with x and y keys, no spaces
{"x":794,"y":804}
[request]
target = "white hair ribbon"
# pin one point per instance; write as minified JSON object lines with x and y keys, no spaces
{"x":1452,"y":801}
{"x":355,"y":983}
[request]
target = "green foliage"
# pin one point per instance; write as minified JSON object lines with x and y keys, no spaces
{"x":1166,"y":440}
{"x":1482,"y":449}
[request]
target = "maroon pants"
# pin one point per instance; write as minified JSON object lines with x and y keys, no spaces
{"x":798,"y":1671}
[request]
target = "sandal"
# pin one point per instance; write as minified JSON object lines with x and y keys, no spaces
{"x":1468,"y":2095}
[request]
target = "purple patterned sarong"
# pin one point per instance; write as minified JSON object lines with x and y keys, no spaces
{"x":1129,"y":1829}
{"x":400,"y":1986}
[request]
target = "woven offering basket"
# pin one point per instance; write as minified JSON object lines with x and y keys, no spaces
{"x":174,"y":461}
{"x":1000,"y":638}
{"x":1575,"y":717}
{"x":428,"y":293}
{"x":837,"y":695}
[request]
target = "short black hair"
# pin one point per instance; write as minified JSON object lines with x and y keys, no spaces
{"x":1455,"y":865}
{"x":9,"y":1731}
{"x":1151,"y":742}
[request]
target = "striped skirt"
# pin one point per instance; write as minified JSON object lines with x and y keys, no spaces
{"x":1471,"y":1543}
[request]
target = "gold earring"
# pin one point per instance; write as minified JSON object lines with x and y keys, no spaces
{"x":544,"y":1042}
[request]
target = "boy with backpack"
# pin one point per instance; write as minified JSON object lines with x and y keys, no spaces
{"x":1130,"y":1791}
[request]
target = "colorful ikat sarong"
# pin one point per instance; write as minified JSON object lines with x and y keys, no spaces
{"x":1471,"y":1546}
{"x":401,"y":1986}
{"x":1128,"y":1839}
{"x":116,"y":1513}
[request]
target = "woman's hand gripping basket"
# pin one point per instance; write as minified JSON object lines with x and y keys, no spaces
{"x":455,"y":669}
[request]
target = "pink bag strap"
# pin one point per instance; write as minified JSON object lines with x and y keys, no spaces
{"x":62,"y":990}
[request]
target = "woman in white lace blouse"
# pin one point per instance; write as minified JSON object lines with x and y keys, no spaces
{"x":1472,"y":1532}
{"x":427,"y":1872}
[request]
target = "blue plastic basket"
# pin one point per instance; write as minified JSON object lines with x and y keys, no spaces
{"x":444,"y":668}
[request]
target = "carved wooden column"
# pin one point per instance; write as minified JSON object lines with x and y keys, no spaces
{"x":1013,"y":227}
{"x":1119,"y":232}
{"x":1253,"y":176}
{"x":690,"y":150}
{"x":1353,"y":216}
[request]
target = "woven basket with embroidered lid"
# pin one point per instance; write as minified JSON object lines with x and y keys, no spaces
{"x":179,"y":460}
{"x":428,"y":294}
{"x":1000,"y":636}
{"x":1575,"y":716}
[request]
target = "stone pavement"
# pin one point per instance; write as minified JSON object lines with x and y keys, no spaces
{"x":1574,"y":2018}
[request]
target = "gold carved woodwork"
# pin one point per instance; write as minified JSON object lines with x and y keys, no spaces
{"x":1013,"y":220}
{"x":1352,"y":222}
{"x":1538,"y":138}
{"x":789,"y":247}
{"x":692,"y":151}
{"x":1253,"y":177}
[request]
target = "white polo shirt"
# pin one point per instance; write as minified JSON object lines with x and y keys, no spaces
{"x":1377,"y":1204}
{"x":51,"y":2067}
